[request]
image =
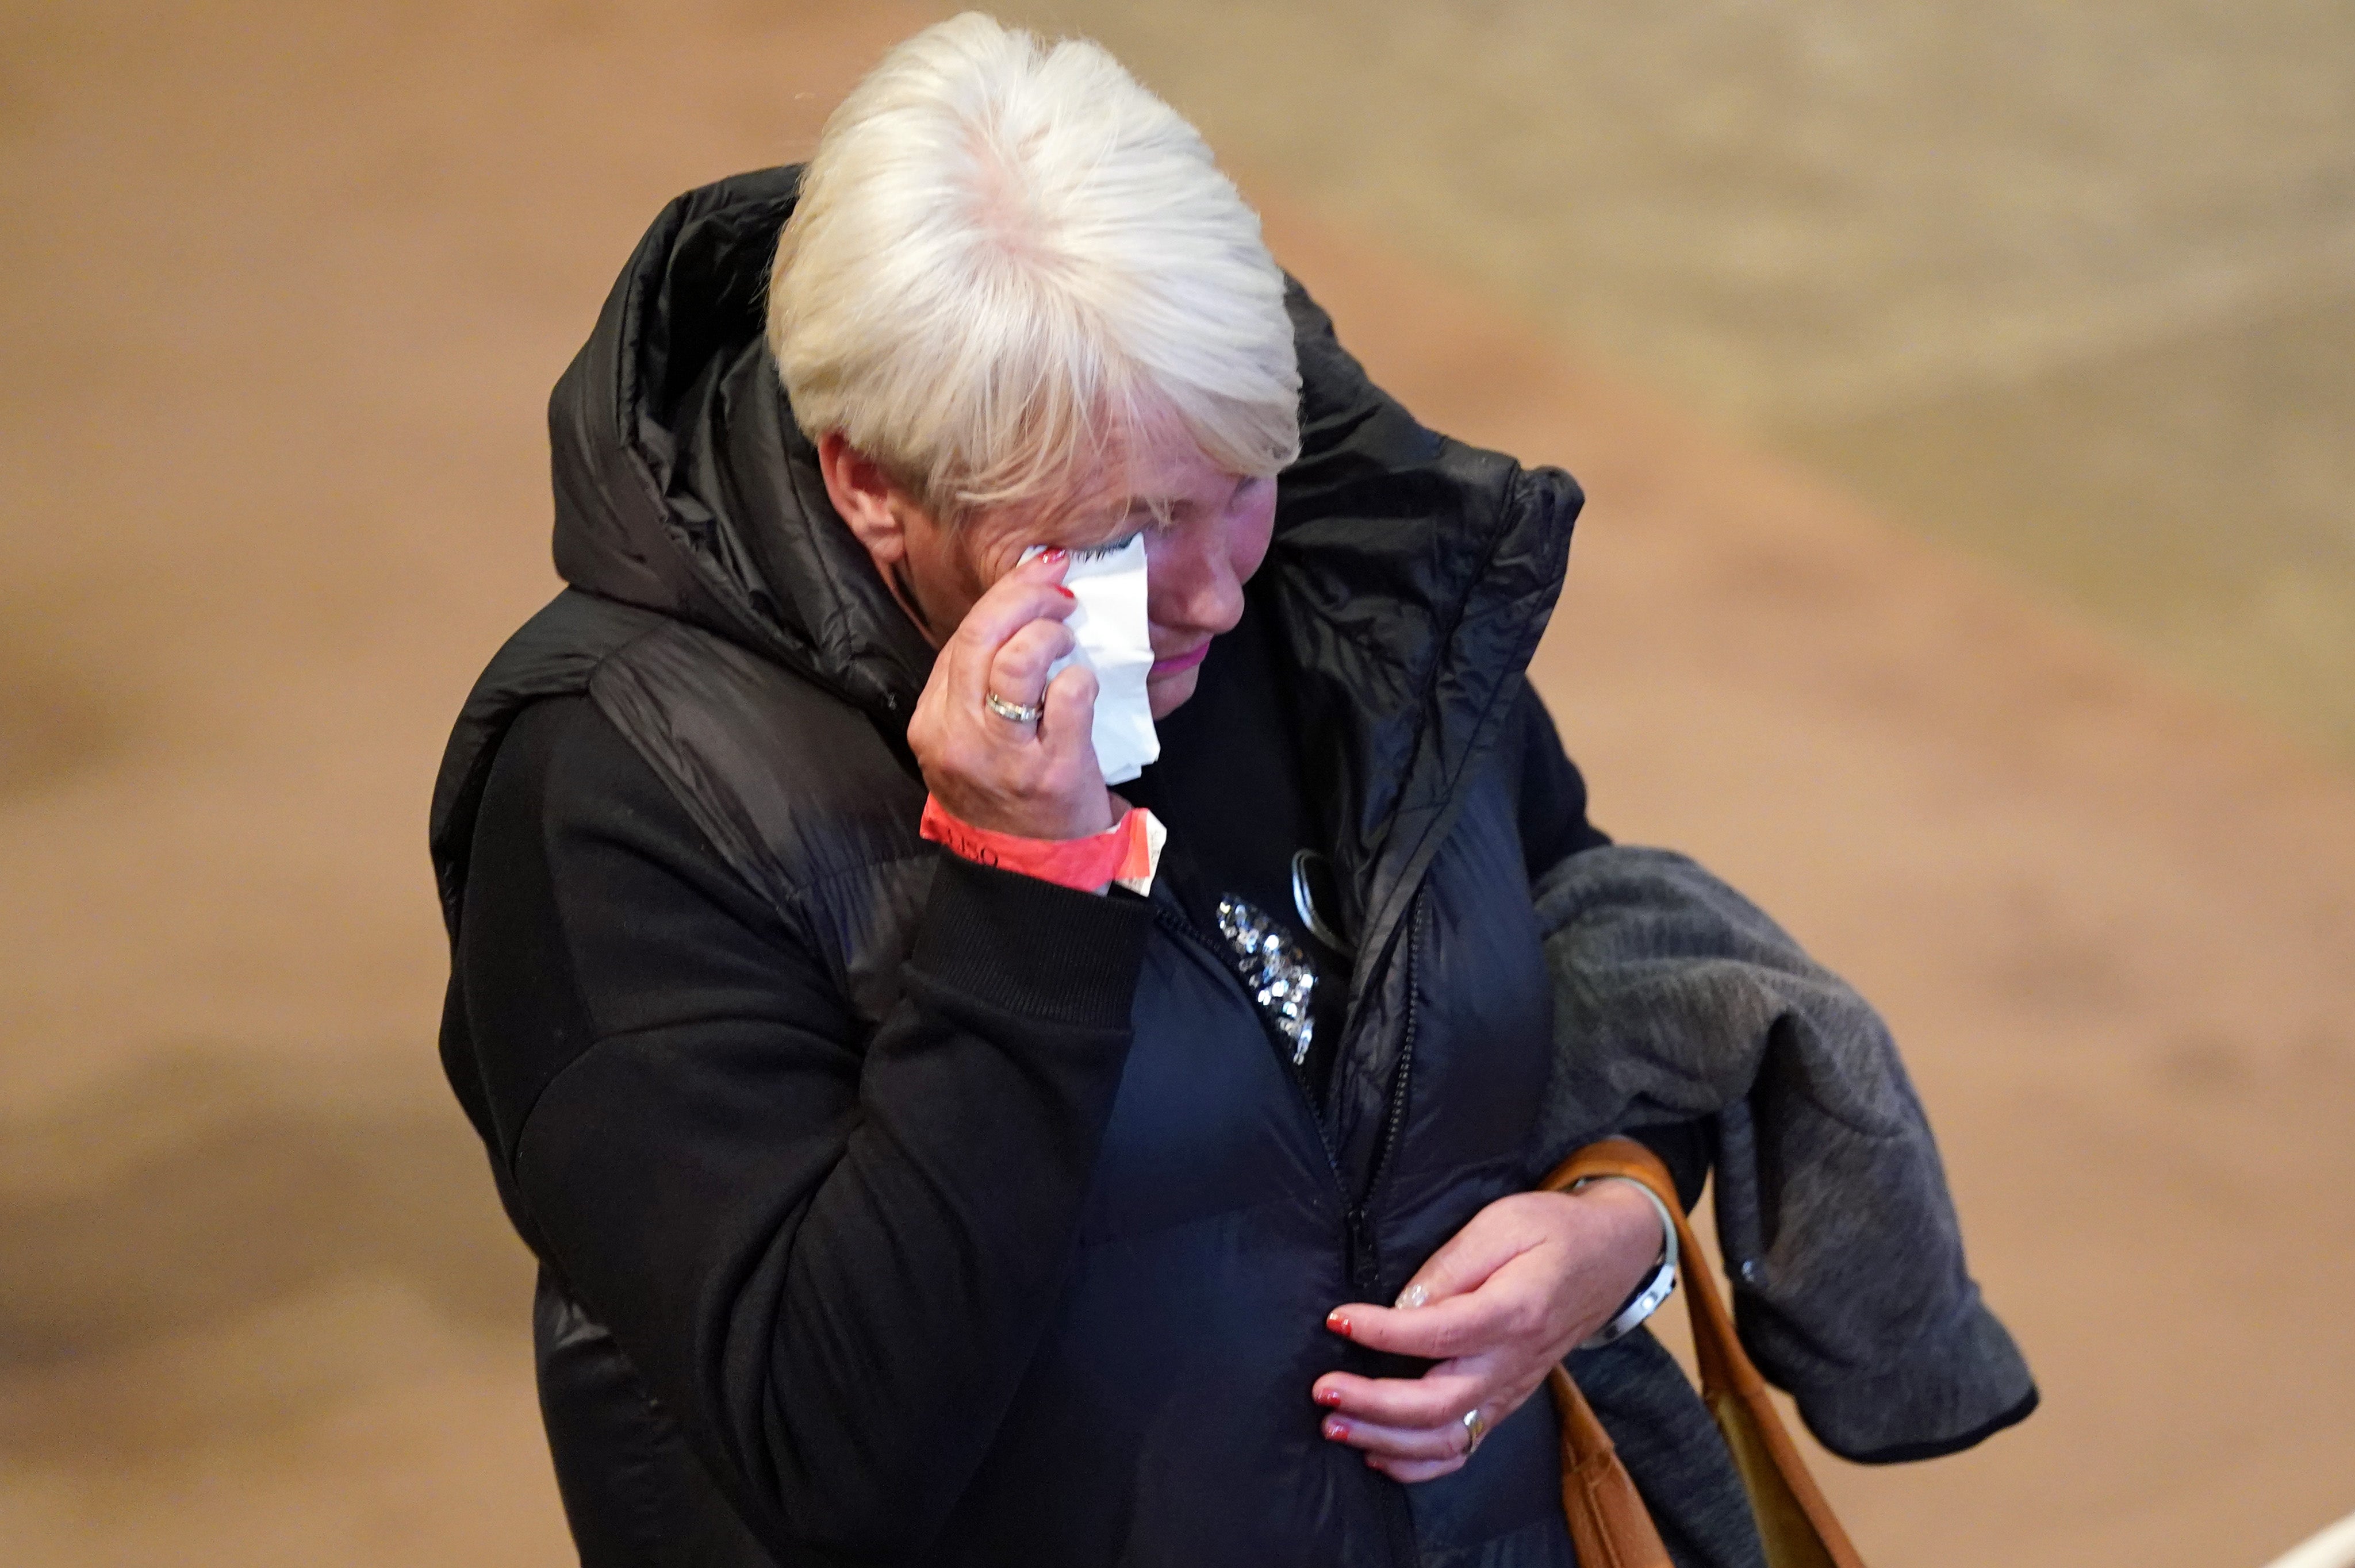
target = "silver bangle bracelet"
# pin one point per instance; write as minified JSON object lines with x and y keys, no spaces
{"x":1664,"y":1277}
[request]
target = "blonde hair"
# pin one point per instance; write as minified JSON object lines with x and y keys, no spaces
{"x":1007,"y":257}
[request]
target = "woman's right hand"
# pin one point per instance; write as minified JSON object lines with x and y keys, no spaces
{"x":1036,"y":781}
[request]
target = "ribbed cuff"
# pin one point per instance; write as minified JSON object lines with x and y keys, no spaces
{"x":1908,"y":1452}
{"x":1960,"y":1386}
{"x":1032,"y":947}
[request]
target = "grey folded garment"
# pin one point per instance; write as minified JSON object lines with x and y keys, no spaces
{"x":1675,"y":998}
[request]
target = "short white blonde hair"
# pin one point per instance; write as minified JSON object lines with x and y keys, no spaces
{"x":1007,"y":257}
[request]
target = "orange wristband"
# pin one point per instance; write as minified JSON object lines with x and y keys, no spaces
{"x":1126,"y":855}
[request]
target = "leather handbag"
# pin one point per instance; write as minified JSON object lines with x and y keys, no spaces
{"x":1609,"y":1526}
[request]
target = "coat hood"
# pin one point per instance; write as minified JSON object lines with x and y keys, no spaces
{"x":1409,"y":578}
{"x":682,"y":483}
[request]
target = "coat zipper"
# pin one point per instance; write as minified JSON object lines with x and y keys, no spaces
{"x":1394,"y":1117}
{"x":1398,"y":1521}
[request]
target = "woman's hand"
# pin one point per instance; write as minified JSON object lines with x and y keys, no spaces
{"x":1498,"y":1306}
{"x":1038,"y":780}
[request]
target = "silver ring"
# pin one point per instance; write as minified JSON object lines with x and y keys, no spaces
{"x":1013,"y":711}
{"x":1475,"y":1427}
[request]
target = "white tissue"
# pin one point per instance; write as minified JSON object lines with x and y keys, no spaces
{"x":1116,"y":642}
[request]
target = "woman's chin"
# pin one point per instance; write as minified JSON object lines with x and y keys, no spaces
{"x":1165,"y":695}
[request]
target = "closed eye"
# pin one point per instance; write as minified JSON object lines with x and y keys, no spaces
{"x":1098,"y":552}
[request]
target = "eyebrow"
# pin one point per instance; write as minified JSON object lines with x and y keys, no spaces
{"x":1143,"y":506}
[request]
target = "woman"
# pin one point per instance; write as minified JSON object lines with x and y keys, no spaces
{"x":895,"y":1205}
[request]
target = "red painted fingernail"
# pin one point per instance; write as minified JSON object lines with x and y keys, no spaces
{"x":1339,"y":1321}
{"x":1054,"y":556}
{"x":1337,"y":1431}
{"x":1330,"y":1396}
{"x":1064,"y":591}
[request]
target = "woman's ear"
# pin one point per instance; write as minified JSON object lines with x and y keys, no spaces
{"x":866,"y":498}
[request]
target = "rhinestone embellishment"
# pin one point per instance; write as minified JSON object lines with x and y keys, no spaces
{"x":1275,"y":969}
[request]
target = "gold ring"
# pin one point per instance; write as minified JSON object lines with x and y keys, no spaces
{"x":1475,"y":1427}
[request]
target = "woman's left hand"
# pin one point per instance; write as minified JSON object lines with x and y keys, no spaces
{"x":1495,"y":1308}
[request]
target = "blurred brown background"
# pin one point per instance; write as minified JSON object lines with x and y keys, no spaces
{"x":1963,"y":394}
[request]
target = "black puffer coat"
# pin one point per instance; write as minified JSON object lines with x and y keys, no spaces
{"x":1015,"y":1244}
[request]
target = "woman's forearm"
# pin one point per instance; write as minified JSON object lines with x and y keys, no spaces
{"x":840,"y":1289}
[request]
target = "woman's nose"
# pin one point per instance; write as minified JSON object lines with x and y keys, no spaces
{"x":1191,"y":583}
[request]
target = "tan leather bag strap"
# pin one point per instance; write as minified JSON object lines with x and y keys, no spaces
{"x":1608,"y":1524}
